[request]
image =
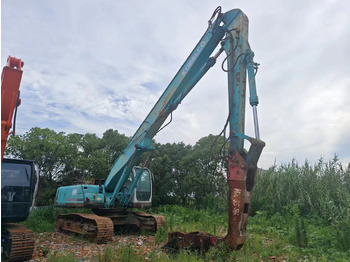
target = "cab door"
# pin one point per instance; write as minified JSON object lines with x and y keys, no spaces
{"x":142,"y":195}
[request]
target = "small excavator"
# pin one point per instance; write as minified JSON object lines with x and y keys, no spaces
{"x":129,"y":184}
{"x":19,"y":178}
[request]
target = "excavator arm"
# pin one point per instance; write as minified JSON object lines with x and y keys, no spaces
{"x":230,"y":30}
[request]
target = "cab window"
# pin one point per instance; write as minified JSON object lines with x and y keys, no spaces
{"x":143,"y":188}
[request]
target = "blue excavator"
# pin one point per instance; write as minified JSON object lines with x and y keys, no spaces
{"x":129,"y":183}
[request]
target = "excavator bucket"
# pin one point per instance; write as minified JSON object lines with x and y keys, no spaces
{"x":241,"y":175}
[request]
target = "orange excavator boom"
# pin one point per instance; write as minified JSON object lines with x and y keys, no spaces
{"x":10,"y":81}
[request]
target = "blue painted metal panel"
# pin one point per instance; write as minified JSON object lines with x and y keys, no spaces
{"x":80,"y":195}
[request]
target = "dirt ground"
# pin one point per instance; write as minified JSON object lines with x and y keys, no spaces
{"x":83,"y":250}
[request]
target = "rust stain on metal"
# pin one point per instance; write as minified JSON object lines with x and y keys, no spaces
{"x":167,"y":98}
{"x":236,"y":179}
{"x":160,"y":221}
{"x":238,"y":77}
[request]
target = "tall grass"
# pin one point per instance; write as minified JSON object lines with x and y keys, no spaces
{"x":321,"y":190}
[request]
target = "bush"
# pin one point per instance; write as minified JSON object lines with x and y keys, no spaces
{"x":343,"y":235}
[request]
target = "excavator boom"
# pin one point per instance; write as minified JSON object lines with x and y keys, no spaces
{"x":10,"y":81}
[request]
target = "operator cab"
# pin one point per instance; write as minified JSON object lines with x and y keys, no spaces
{"x":142,"y":195}
{"x":18,"y":185}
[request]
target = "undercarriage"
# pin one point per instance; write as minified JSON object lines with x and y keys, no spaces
{"x":100,"y":227}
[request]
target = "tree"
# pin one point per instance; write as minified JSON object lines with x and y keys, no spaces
{"x":44,"y":146}
{"x":114,"y":143}
{"x":48,"y":149}
{"x":168,"y":173}
{"x":204,"y":171}
{"x":98,"y":154}
{"x":188,"y":175}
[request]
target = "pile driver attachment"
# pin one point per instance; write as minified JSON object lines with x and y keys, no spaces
{"x":241,"y":173}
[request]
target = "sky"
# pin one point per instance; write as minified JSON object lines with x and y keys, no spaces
{"x":94,"y":65}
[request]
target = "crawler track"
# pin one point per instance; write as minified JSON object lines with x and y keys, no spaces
{"x":100,"y":227}
{"x":140,"y":220}
{"x":150,"y":222}
{"x":95,"y":228}
{"x":19,"y":242}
